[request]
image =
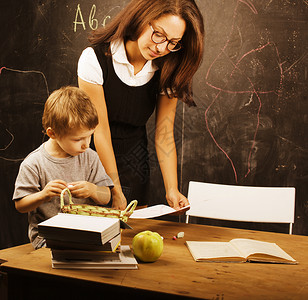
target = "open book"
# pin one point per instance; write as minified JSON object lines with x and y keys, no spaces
{"x":239,"y":250}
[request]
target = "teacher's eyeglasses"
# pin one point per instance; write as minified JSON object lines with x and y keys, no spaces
{"x":159,"y":38}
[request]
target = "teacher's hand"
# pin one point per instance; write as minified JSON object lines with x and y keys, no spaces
{"x":118,"y":199}
{"x":176,"y":200}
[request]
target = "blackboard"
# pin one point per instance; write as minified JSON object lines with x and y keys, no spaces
{"x":250,"y":123}
{"x":250,"y":126}
{"x":40,"y":46}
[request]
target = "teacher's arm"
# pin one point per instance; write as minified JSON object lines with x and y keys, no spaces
{"x":166,"y":150}
{"x":102,"y":140}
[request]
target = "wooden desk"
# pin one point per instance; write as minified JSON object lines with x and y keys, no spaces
{"x":174,"y":275}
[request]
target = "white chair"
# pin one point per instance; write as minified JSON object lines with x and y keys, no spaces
{"x":241,"y":203}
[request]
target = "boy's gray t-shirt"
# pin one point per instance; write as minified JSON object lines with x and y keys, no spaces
{"x":39,"y":168}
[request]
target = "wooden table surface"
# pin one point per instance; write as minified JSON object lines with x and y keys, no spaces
{"x":177,"y":274}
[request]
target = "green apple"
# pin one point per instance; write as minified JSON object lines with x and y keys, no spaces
{"x":147,"y":246}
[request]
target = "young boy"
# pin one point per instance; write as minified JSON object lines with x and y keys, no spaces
{"x":65,"y":160}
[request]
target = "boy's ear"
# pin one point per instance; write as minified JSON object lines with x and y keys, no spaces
{"x":50,"y":133}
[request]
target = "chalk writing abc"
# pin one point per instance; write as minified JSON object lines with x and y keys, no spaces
{"x":82,"y":19}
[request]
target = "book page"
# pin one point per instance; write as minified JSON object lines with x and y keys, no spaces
{"x":214,"y":251}
{"x":261,"y":251}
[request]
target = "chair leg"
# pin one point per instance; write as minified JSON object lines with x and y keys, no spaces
{"x":290,"y":230}
{"x":187,"y":218}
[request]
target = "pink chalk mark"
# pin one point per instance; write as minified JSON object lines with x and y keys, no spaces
{"x":252,"y":91}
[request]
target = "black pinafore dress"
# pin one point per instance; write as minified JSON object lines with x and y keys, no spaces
{"x":129,"y":109}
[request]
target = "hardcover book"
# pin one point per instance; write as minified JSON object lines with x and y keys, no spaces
{"x":111,"y":246}
{"x":79,"y":229}
{"x":126,"y":260}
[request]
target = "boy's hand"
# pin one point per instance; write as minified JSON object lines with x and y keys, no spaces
{"x":53,"y":188}
{"x":82,"y":189}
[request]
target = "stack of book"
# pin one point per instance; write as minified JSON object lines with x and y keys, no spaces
{"x":86,"y":242}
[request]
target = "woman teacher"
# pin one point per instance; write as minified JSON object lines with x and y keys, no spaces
{"x":143,"y":60}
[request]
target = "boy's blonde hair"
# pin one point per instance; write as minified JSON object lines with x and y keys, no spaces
{"x":69,"y":108}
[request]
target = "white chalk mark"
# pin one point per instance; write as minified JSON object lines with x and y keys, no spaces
{"x":28,"y":71}
{"x":11,"y":141}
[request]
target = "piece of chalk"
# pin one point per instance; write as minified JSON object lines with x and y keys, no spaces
{"x":180,"y":235}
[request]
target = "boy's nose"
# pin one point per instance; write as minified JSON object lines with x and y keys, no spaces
{"x":85,"y":145}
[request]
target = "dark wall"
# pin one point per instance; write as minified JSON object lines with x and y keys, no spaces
{"x":250,"y":122}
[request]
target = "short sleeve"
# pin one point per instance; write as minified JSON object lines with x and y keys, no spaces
{"x":89,"y":68}
{"x":27,"y":181}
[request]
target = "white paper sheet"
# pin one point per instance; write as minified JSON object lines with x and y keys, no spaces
{"x":156,"y":211}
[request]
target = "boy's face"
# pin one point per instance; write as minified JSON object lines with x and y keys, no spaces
{"x":76,"y":141}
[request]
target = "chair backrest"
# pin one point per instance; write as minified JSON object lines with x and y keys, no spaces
{"x":241,"y":203}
